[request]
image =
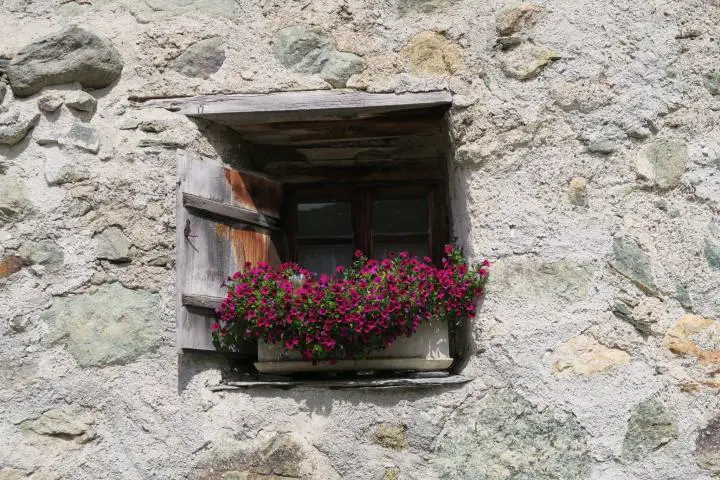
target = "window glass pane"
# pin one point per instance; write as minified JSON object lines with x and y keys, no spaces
{"x":324,"y":258}
{"x":407,"y":215}
{"x":324,"y":219}
{"x":417,"y":249}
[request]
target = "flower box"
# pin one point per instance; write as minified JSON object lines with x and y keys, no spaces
{"x":372,"y":315}
{"x":427,"y":350}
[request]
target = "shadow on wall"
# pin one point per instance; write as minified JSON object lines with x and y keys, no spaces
{"x":316,"y":399}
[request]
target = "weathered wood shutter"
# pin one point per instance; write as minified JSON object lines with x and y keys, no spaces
{"x":225,"y":217}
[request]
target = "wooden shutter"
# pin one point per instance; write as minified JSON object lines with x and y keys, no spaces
{"x":225,"y":217}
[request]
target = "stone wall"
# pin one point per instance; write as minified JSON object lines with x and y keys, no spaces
{"x":587,"y":168}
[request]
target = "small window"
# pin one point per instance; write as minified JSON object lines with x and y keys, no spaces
{"x":330,"y":224}
{"x":318,"y":176}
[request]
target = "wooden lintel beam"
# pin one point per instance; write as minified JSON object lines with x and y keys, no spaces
{"x":314,"y":105}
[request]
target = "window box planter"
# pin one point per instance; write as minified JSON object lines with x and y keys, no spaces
{"x":427,"y":350}
{"x":373,"y":315}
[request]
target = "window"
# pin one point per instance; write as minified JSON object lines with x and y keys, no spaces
{"x":326,"y":225}
{"x":323,"y":174}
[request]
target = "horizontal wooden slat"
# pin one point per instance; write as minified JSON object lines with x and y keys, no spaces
{"x":291,"y":106}
{"x":361,"y":383}
{"x":202,"y":301}
{"x":217,"y":209}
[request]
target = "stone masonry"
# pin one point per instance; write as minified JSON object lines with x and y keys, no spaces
{"x":586,"y":167}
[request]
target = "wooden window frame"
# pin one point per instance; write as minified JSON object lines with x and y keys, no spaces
{"x":361,"y":196}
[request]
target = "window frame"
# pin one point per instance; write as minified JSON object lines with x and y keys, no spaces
{"x":361,"y":196}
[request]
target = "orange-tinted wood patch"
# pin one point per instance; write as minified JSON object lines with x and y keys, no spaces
{"x":249,"y":246}
{"x":255,"y":192}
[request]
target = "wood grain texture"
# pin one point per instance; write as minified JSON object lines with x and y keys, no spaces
{"x":292,"y":106}
{"x":210,"y":249}
{"x":229,"y":213}
{"x":451,"y":380}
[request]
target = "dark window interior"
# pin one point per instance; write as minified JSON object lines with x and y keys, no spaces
{"x":326,"y":225}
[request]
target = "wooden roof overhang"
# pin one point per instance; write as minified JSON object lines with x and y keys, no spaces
{"x":314,"y":136}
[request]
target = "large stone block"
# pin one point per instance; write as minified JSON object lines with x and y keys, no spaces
{"x":71,"y":55}
{"x":12,"y":132}
{"x":514,"y":18}
{"x":649,"y":428}
{"x":307,"y":49}
{"x":632,"y":262}
{"x":584,"y":355}
{"x":540,"y":279}
{"x":431,"y":53}
{"x":503,"y":437}
{"x":13,"y":198}
{"x":711,"y":249}
{"x":391,"y":435}
{"x":113,"y":325}
{"x":44,"y":252}
{"x":527,"y":60}
{"x":201,"y":59}
{"x":707,"y":447}
{"x":662,"y":164}
{"x":112,"y":245}
{"x":72,"y":424}
{"x":280,"y":456}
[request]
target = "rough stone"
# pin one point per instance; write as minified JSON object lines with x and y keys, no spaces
{"x":682,"y":295}
{"x":11,"y":474}
{"x":59,"y":170}
{"x":391,"y":435}
{"x":695,"y":336}
{"x":3,"y":91}
{"x":662,"y":164}
{"x":643,"y":317}
{"x":44,"y":252}
{"x":650,"y":427}
{"x":420,"y":6}
{"x":307,"y":49}
{"x":83,"y":136}
{"x":280,"y":456}
{"x":112,"y":245}
{"x":585,"y":356}
{"x":11,"y":264}
{"x":630,"y":261}
{"x":81,"y":101}
{"x":576,"y":193}
{"x":431,"y":53}
{"x":113,"y":325}
{"x":65,"y":423}
{"x":201,"y":59}
{"x":503,"y":436}
{"x":392,"y":473}
{"x":527,"y":60}
{"x":13,"y":198}
{"x":583,"y":96}
{"x":512,"y":19}
{"x":603,"y":146}
{"x":50,"y":102}
{"x":153,"y":126}
{"x":711,"y":249}
{"x":10,"y":118}
{"x":707,"y":446}
{"x":14,"y":132}
{"x":71,"y":55}
{"x":528,"y":278}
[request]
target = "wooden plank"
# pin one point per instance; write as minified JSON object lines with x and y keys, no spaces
{"x":209,"y":251}
{"x":408,"y":382}
{"x":215,"y":209}
{"x":293,"y":106}
{"x":357,"y":173}
{"x":290,"y":133}
{"x":202,"y":301}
